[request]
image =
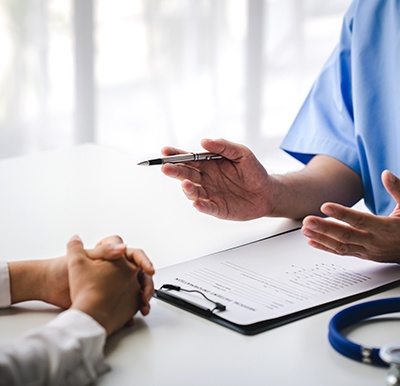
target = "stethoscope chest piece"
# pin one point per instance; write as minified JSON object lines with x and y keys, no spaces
{"x":390,"y":353}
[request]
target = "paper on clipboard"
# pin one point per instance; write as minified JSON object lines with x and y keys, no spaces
{"x":274,"y":278}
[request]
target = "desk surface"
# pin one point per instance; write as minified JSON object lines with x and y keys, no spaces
{"x":95,"y":191}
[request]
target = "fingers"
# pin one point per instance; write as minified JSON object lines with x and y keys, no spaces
{"x":383,"y":245}
{"x":76,"y":254}
{"x":193,"y":191}
{"x":182,"y":172}
{"x":139,"y":258}
{"x":229,"y":150}
{"x":147,"y":285}
{"x":359,"y":220}
{"x":350,"y":236}
{"x":208,"y":207}
{"x":112,"y":248}
{"x":169,"y":150}
{"x":356,"y":234}
{"x":334,"y":237}
{"x":392,"y":185}
{"x":74,"y":245}
{"x":199,"y":196}
{"x":114,"y":239}
{"x":107,"y":251}
{"x":322,"y":247}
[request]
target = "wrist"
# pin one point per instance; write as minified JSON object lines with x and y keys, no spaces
{"x":89,"y":306}
{"x":25,"y":281}
{"x":273,"y":197}
{"x":292,"y":196}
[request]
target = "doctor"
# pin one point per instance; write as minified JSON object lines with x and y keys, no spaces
{"x":347,"y":134}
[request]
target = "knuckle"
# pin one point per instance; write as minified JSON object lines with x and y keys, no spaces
{"x":391,"y":228}
{"x":359,"y":222}
{"x":111,"y":240}
{"x":138,"y":254}
{"x":116,"y":238}
{"x":192,"y":174}
{"x":191,"y":195}
{"x":346,"y":235}
{"x":342,"y":249}
{"x":187,"y":173}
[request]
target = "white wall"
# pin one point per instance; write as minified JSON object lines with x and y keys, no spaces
{"x":165,"y":71}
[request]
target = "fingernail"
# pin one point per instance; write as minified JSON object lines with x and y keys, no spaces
{"x":119,"y":247}
{"x":392,"y":177}
{"x":327,"y":211}
{"x":311,"y":225}
{"x":75,"y":237}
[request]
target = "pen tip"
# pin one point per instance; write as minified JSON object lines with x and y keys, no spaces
{"x":143,"y":163}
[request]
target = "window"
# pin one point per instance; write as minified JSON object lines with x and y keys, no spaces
{"x":164,"y":72}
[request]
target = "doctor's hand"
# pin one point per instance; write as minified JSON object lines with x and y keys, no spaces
{"x":234,"y":188}
{"x":358,"y":234}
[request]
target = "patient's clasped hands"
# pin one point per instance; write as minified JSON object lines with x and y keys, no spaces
{"x":110,"y":282}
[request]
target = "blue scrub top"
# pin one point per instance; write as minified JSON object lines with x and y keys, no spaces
{"x":352,"y":112}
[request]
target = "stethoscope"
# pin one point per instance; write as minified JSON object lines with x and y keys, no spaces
{"x":387,"y":355}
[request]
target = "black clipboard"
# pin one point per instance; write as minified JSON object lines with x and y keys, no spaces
{"x":256,"y":328}
{"x":268,"y":324}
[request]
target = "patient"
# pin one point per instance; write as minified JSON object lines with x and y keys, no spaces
{"x":101,"y":288}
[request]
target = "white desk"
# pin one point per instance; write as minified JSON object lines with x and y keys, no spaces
{"x":94,"y":191}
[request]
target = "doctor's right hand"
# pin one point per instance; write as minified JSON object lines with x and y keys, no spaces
{"x":236,"y":187}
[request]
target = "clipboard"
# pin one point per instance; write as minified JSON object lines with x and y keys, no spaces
{"x":265,"y":325}
{"x":368,"y":278}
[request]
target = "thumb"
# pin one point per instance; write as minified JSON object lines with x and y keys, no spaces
{"x":230,"y":150}
{"x":392,"y":185}
{"x":74,"y":249}
{"x":74,"y":245}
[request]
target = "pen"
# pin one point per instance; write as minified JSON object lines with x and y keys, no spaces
{"x":179,"y":158}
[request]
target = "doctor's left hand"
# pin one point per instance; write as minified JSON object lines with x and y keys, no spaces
{"x":358,"y":234}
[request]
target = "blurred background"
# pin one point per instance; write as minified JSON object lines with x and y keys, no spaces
{"x":141,"y":74}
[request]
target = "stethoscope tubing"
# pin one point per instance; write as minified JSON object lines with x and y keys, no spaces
{"x":355,"y":314}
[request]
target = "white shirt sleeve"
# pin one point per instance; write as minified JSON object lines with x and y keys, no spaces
{"x":66,"y":351}
{"x":5,"y":295}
